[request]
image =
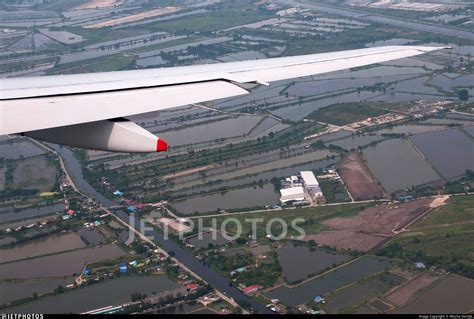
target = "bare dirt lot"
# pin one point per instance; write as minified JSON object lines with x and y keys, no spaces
{"x":355,"y":175}
{"x":175,"y":225}
{"x":133,"y":17}
{"x":371,"y":226}
{"x":405,"y":292}
{"x":346,"y":239}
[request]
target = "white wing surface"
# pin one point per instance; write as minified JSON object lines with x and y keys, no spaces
{"x":39,"y":103}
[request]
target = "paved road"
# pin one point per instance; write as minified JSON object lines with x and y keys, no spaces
{"x":216,"y":280}
{"x":383,"y":19}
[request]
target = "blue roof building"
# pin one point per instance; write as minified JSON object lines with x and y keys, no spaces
{"x":318,"y":299}
{"x":118,"y":193}
{"x":123,"y":267}
{"x":132,"y":209}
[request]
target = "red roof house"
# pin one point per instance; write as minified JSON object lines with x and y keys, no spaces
{"x":251,"y":289}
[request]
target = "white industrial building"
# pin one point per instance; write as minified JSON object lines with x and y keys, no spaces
{"x":292,"y":194}
{"x":311,"y":183}
{"x":309,"y":180}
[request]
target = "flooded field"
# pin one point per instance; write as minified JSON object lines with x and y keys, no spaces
{"x":58,"y":265}
{"x":469,"y":130}
{"x":265,"y":176}
{"x":416,"y":85}
{"x":92,"y":236}
{"x":35,"y":173}
{"x":233,"y":127}
{"x":7,"y":241}
{"x":297,"y":112}
{"x":336,"y":84}
{"x":298,"y":261}
{"x":239,"y":198}
{"x":3,"y":170}
{"x":24,"y":289}
{"x":448,"y":83}
{"x":452,"y":295}
{"x":335,"y":136}
{"x":43,"y":246}
{"x":265,"y":125}
{"x":381,"y":72}
{"x":9,"y":215}
{"x":257,"y":168}
{"x":398,"y":96}
{"x":447,"y":121}
{"x":361,"y":292}
{"x":355,"y":141}
{"x":338,"y":278}
{"x":450,"y":151}
{"x":113,"y":292}
{"x":19,"y":149}
{"x":410,"y":129}
{"x":397,"y":165}
{"x":207,"y":238}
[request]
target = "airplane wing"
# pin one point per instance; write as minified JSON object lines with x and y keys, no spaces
{"x":87,"y":110}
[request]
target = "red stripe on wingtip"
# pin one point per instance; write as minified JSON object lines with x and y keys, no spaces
{"x":161,"y":145}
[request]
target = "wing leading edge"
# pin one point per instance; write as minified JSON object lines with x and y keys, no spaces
{"x":37,"y":103}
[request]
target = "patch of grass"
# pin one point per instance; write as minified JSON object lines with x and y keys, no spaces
{"x":450,"y":248}
{"x":349,"y":39}
{"x":332,"y":187}
{"x":164,"y":45}
{"x":212,"y":21}
{"x":346,"y":113}
{"x":458,"y":209}
{"x":115,"y":62}
{"x":124,"y":177}
{"x":313,"y":216}
{"x":93,"y":36}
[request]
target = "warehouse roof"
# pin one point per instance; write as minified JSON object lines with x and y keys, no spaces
{"x":292,"y":191}
{"x":309,"y":179}
{"x":292,"y":194}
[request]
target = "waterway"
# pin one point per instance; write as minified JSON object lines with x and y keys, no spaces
{"x":187,"y":258}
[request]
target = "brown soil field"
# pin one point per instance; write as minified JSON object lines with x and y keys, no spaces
{"x":405,"y":273}
{"x":346,"y":239}
{"x":405,"y":292}
{"x":357,"y":178}
{"x":371,"y":226}
{"x":452,"y":294}
{"x":385,"y":219}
